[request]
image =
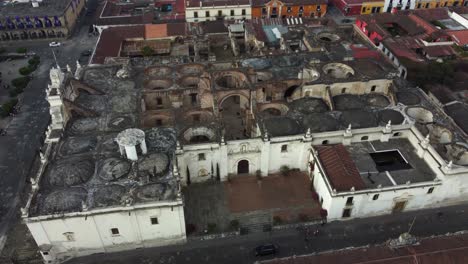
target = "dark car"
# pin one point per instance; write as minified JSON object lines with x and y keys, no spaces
{"x":86,"y":53}
{"x":267,"y":249}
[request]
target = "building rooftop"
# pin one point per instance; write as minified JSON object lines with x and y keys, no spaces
{"x":86,"y":170}
{"x":389,"y":163}
{"x":45,"y":8}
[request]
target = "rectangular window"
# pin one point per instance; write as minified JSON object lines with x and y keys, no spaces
{"x":264,"y":11}
{"x":346,"y":213}
{"x":373,"y":88}
{"x":284,"y":148}
{"x":232,"y":12}
{"x":154,"y":221}
{"x":430,"y":190}
{"x":159,"y":101}
{"x":220,"y":12}
{"x":243,"y":12}
{"x":207,"y":13}
{"x":289,"y":9}
{"x":195,"y":14}
{"x":115,"y":231}
{"x":301,"y":9}
{"x":349,"y":201}
{"x":201,"y":156}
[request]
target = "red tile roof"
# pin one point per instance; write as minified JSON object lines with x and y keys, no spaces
{"x":437,"y":250}
{"x":340,"y":168}
{"x":110,"y":41}
{"x":459,"y":36}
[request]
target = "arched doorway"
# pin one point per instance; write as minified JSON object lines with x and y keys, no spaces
{"x":243,"y":167}
{"x":289,"y":92}
{"x":233,"y":110}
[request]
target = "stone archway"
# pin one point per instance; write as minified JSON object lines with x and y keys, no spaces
{"x":243,"y":167}
{"x":233,"y":110}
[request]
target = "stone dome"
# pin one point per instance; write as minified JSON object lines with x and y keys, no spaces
{"x":155,"y":192}
{"x":108,"y":195}
{"x":358,"y":119}
{"x":282,"y":126}
{"x":348,"y":102}
{"x":376,"y":100}
{"x":156,"y":164}
{"x":64,"y":200}
{"x":408,"y":98}
{"x":390,"y":115}
{"x":318,"y":122}
{"x":113,"y":169}
{"x":309,"y":105}
{"x":71,"y":172}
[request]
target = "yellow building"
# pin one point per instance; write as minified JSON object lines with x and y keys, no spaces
{"x":371,"y":7}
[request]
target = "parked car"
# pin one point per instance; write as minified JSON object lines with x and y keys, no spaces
{"x":86,"y":53}
{"x":55,"y":44}
{"x":267,"y":249}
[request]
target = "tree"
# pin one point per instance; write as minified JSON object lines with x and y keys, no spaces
{"x":147,"y":51}
{"x":21,"y":50}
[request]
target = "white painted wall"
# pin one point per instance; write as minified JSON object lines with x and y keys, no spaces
{"x":92,"y":232}
{"x":213,"y":10}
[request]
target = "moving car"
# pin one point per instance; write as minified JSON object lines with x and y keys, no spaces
{"x":267,"y":249}
{"x":55,"y":44}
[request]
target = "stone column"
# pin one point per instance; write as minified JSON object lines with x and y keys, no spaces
{"x":143,"y":147}
{"x":131,"y":152}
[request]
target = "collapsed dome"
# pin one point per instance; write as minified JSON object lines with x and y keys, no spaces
{"x":63,"y":201}
{"x":288,"y":61}
{"x":394,"y":116}
{"x":154,"y":165}
{"x":348,"y":102}
{"x":130,"y":137}
{"x":108,"y":195}
{"x":458,"y":153}
{"x":338,"y":70}
{"x":358,"y":119}
{"x":158,"y":72}
{"x":199,"y":134}
{"x":328,"y":37}
{"x":114,"y":168}
{"x":232,"y":80}
{"x":308,"y":105}
{"x":83,"y":125}
{"x":78,"y":145}
{"x":282,"y":126}
{"x":420,"y":114}
{"x":408,"y":98}
{"x":191,"y":69}
{"x":155,"y":191}
{"x":309,"y":74}
{"x":376,"y":100}
{"x":71,"y":172}
{"x":158,"y":84}
{"x":161,"y":139}
{"x":440,"y":134}
{"x":318,"y":122}
{"x":189,"y":82}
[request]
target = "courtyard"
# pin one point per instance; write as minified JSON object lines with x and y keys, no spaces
{"x":250,"y":204}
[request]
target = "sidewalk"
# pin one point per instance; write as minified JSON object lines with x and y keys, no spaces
{"x":335,"y":235}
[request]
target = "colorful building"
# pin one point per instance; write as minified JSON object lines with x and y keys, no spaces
{"x":358,"y":7}
{"x":48,"y":19}
{"x":288,"y":8}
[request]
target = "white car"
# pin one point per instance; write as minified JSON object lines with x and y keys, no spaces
{"x":55,"y":44}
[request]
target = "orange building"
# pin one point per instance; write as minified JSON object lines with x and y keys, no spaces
{"x":288,"y":8}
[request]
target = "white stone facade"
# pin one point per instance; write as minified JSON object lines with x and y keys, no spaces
{"x":212,"y":12}
{"x":61,"y":237}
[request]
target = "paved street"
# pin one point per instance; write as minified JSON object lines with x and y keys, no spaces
{"x":19,"y":147}
{"x":358,"y":232}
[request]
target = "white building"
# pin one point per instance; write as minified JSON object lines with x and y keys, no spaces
{"x":198,"y":11}
{"x":97,"y":192}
